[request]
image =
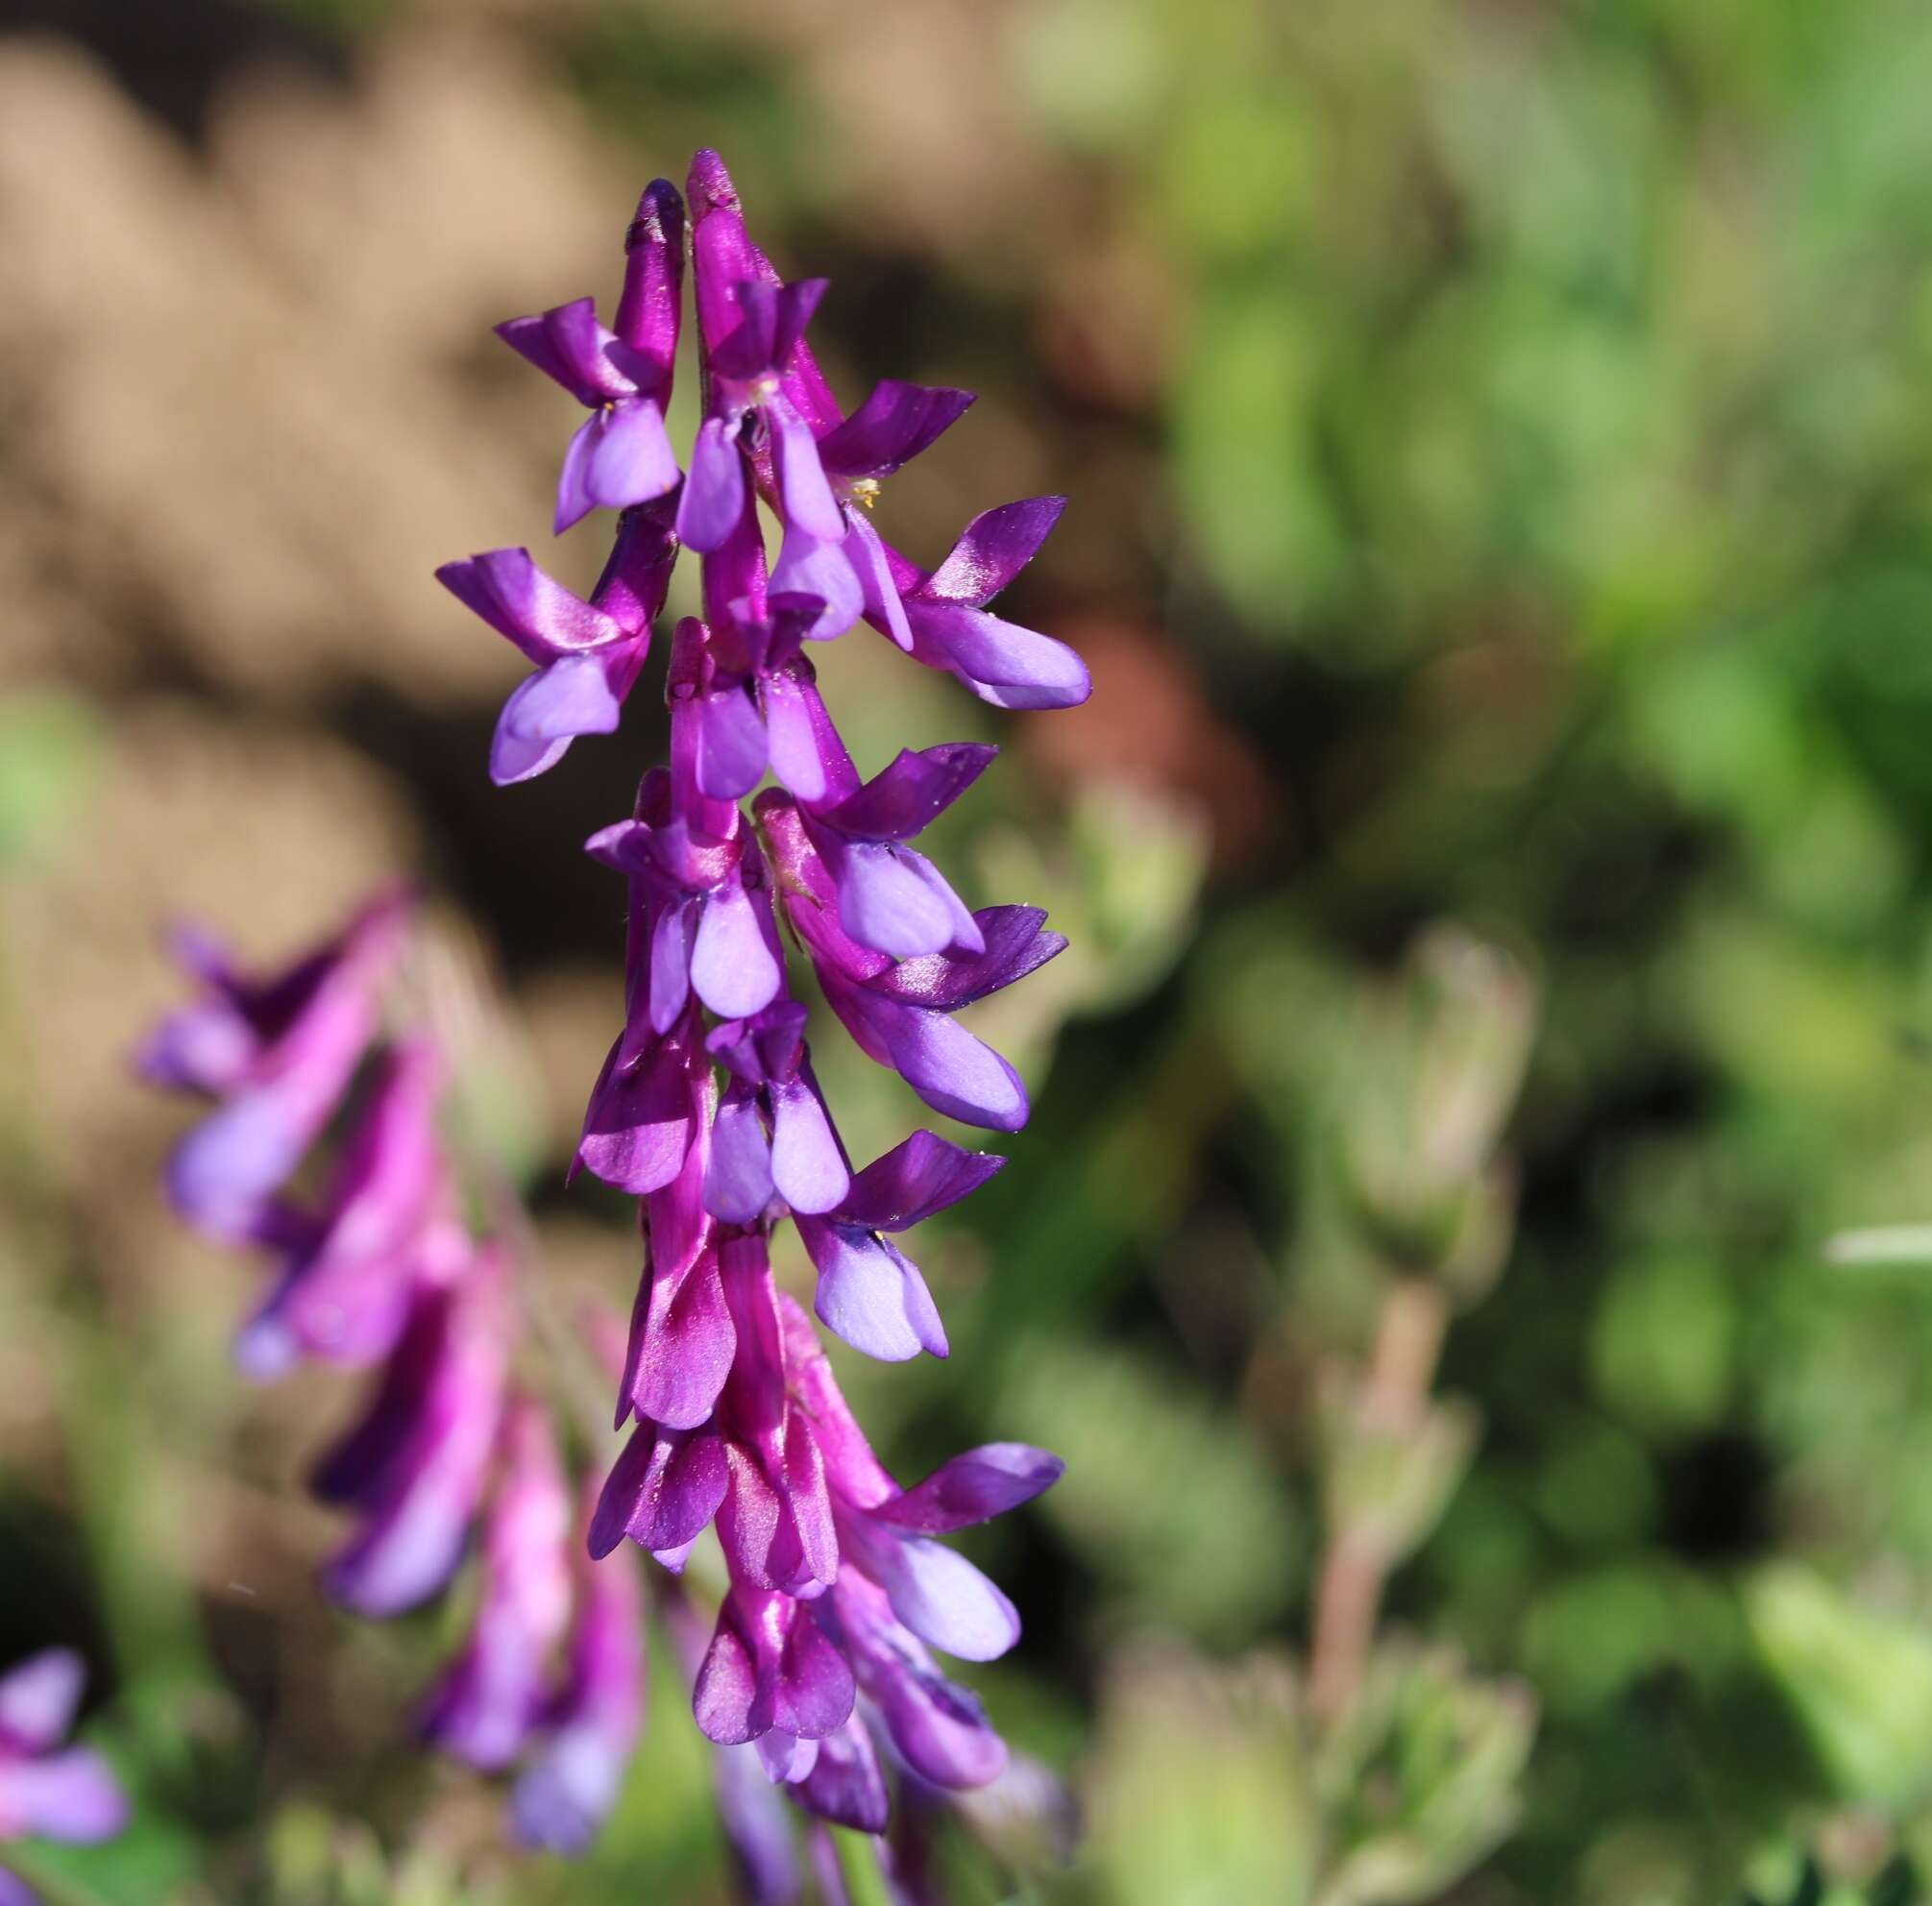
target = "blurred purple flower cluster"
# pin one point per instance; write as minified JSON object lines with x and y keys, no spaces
{"x":376,"y":1267}
{"x":707,"y":1108}
{"x":47,"y":1790}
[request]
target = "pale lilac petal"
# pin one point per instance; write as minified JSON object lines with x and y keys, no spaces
{"x":575,"y":501}
{"x":631,"y":459}
{"x":733,"y":969}
{"x":809,"y":505}
{"x":943,"y":1600}
{"x":730,"y":745}
{"x":785,"y":1757}
{"x":886,"y":904}
{"x":70,"y":1797}
{"x":572,"y":696}
{"x":807,"y":1166}
{"x":951,"y":1070}
{"x":870,"y":1295}
{"x":866,"y":555}
{"x":1001,"y":662}
{"x":738,"y":1184}
{"x":809,"y":567}
{"x":806,"y":752}
{"x":513,"y":758}
{"x":714,"y":489}
{"x":919,"y":1176}
{"x":39,"y":1699}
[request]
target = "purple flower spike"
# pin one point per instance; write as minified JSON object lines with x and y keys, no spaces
{"x":278,"y":1054}
{"x":490,"y":1696}
{"x":836,"y":1582}
{"x":571,"y":1784}
{"x":69,"y":1794}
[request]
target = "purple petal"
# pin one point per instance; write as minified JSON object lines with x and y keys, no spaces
{"x":514,"y":759}
{"x":973,"y":1487}
{"x":572,"y":696}
{"x":938,"y":1727}
{"x":671,"y":962}
{"x":887,"y":904}
{"x":631,"y":459}
{"x":662,"y":1492}
{"x":942,"y":1598}
{"x":543,"y":618}
{"x":714,"y":489}
{"x":648,"y":310}
{"x":567,"y":344}
{"x":733,"y":969}
{"x":807,"y":1165}
{"x":1015,"y":945}
{"x":569,"y":1789}
{"x":906,"y":795}
{"x":993,"y":548}
{"x":866,"y":555}
{"x":575,"y":501}
{"x":685,"y":1342}
{"x":810,"y":507}
{"x":845,"y":1784}
{"x":814,"y":1691}
{"x":940,"y":1060}
{"x":487,"y":1704}
{"x":809,"y":567}
{"x":738,"y":1184}
{"x":1002,"y":662}
{"x":758,"y":1825}
{"x":893,"y":424}
{"x":38,"y":1699}
{"x":730,"y":745}
{"x":637,"y":1128}
{"x":69,"y":1796}
{"x":870,"y":1295}
{"x":725,"y":1701}
{"x":418,"y":1465}
{"x":850,"y":1466}
{"x":920,"y":1176}
{"x":806,"y":752}
{"x":785,"y":1757}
